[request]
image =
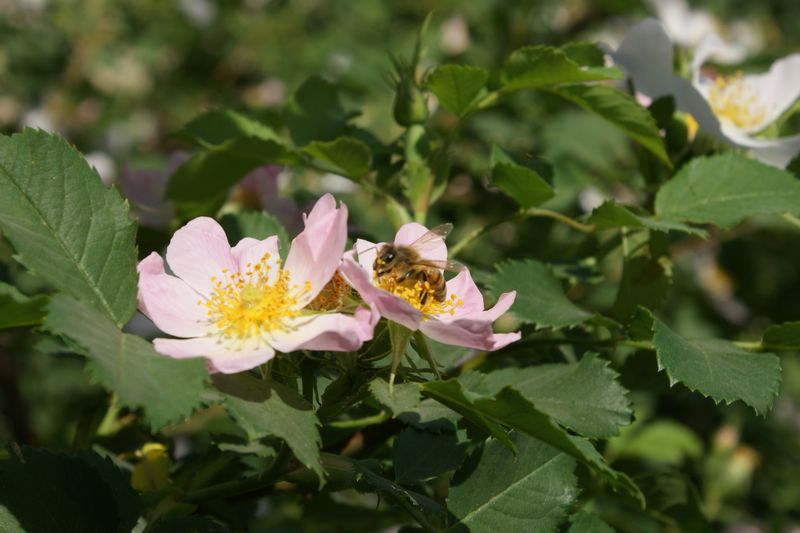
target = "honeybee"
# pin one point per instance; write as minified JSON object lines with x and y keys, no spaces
{"x":406,"y":266}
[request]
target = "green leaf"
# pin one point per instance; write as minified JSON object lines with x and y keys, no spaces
{"x":510,"y":408}
{"x":457,"y":86}
{"x":219,"y":126}
{"x":268,"y":408}
{"x":420,"y":455}
{"x":540,"y":298}
{"x":535,"y":67}
{"x":783,"y":336}
{"x":345,"y":156}
{"x":584,"y":53}
{"x":622,"y":110}
{"x":724,"y":189}
{"x":256,"y":224}
{"x":48,"y":491}
{"x":672,"y":495}
{"x":662,"y":441}
{"x":523,"y":184}
{"x":315,"y":113}
{"x":585,"y":397}
{"x":186,"y":524}
{"x":404,"y":398}
{"x":364,"y":478}
{"x":430,"y":415}
{"x":613,"y":215}
{"x":167,"y":388}
{"x":644,"y":283}
{"x":201,"y":185}
{"x":715,"y":368}
{"x":65,"y":225}
{"x":16,"y":309}
{"x":529,"y":492}
{"x":586,"y":522}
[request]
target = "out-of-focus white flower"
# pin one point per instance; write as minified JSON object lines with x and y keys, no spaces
{"x":104,"y":165}
{"x":454,"y":35}
{"x":200,"y":13}
{"x":689,"y":27}
{"x":730,"y":108}
{"x":39,"y":119}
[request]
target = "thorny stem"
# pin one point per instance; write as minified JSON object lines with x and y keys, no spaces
{"x":521,"y":215}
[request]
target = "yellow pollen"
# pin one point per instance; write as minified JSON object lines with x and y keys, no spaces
{"x":420,"y":294}
{"x":734,"y":101}
{"x":254,"y":303}
{"x":331,"y":296}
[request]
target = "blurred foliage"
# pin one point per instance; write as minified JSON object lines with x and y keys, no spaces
{"x":122,"y":81}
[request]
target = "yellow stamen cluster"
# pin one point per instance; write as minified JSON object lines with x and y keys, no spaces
{"x":418,"y":291}
{"x":250,"y":303}
{"x":332,"y":295}
{"x":733,"y":100}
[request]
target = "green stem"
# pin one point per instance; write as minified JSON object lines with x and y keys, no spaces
{"x":795,"y":221}
{"x":425,"y":352}
{"x":243,"y":485}
{"x":521,"y":215}
{"x":418,"y":516}
{"x":378,"y":418}
{"x":399,"y":336}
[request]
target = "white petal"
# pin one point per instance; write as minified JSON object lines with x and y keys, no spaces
{"x":646,"y":55}
{"x":778,"y":88}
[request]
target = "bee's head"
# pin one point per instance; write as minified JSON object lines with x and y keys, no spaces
{"x":385,"y":260}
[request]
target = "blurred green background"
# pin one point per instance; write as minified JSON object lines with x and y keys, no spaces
{"x":118,"y":79}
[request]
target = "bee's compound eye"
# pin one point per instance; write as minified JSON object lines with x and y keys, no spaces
{"x":388,"y":256}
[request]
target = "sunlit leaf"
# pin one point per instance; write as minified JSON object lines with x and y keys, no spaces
{"x":65,"y":225}
{"x":724,"y":189}
{"x":168,"y":389}
{"x":457,"y":86}
{"x":530,"y":492}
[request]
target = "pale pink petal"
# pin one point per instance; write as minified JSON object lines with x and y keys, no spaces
{"x":504,"y":303}
{"x":433,"y":249}
{"x":199,"y":251}
{"x":225,"y":356}
{"x":328,"y":331}
{"x":249,"y":252}
{"x":391,"y":306}
{"x":316,"y":252}
{"x":325,"y":205}
{"x":168,"y":301}
{"x":469,"y":333}
{"x":463,"y":287}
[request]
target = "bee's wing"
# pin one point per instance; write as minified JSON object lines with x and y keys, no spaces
{"x":450,"y":265}
{"x":430,"y":239}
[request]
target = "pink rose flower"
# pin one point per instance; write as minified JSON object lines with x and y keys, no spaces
{"x":460,"y":320}
{"x":238,"y":306}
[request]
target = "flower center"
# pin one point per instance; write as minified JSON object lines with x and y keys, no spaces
{"x":332,"y":295}
{"x":733,"y":100}
{"x":420,"y":294}
{"x":250,"y":303}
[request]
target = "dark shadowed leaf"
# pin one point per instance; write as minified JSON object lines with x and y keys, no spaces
{"x":16,"y":309}
{"x":48,"y":491}
{"x":420,"y":455}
